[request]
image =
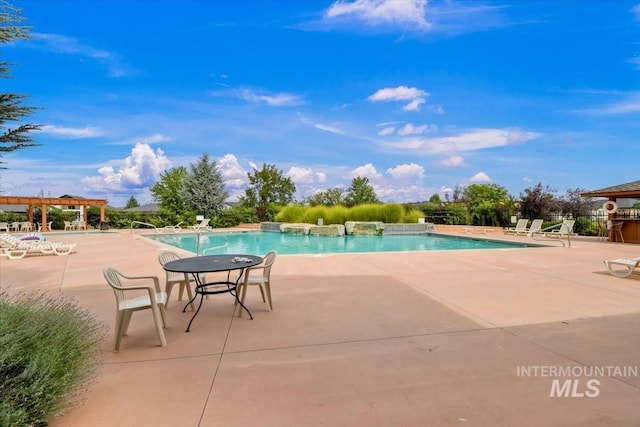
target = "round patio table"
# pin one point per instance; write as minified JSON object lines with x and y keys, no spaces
{"x":198,"y":265}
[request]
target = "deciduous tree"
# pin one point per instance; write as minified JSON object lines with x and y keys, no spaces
{"x":538,"y":202}
{"x":360,"y":192}
{"x":267,"y":186}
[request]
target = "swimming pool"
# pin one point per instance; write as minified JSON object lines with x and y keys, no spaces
{"x":294,"y":244}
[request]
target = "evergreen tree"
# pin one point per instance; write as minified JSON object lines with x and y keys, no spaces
{"x":203,"y":188}
{"x":11,"y":108}
{"x":132,"y":203}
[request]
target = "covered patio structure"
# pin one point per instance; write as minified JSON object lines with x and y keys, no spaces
{"x":630,"y":230}
{"x":45,"y":202}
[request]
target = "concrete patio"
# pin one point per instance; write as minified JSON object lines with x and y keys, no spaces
{"x":382,"y":339}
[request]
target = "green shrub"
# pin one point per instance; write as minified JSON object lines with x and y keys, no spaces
{"x":50,"y":351}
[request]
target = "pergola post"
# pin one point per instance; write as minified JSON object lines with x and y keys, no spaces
{"x":43,"y":215}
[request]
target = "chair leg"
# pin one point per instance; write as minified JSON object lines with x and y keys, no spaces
{"x":117,"y":333}
{"x":159,"y":319}
{"x":244,"y":295}
{"x":168,"y":290}
{"x":267,"y":291}
{"x":126,"y":319}
{"x":187,"y":286}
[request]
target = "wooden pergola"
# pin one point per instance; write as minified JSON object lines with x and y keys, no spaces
{"x":44,"y":202}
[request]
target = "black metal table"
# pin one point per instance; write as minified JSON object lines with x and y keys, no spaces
{"x":211,"y":264}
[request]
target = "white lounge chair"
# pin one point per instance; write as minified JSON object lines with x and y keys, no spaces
{"x":560,"y":230}
{"x":628,"y":264}
{"x":536,"y":227}
{"x":204,"y":225}
{"x":175,"y":228}
{"x":15,"y":248}
{"x":521,"y":227}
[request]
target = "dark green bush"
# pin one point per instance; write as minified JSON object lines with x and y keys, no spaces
{"x":50,"y":352}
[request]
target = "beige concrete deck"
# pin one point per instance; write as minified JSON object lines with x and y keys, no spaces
{"x":383,"y":339}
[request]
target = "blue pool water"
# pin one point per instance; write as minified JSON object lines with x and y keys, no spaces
{"x":292,"y":244}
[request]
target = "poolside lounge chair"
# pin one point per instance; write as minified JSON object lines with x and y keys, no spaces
{"x":175,"y":228}
{"x":536,"y":227}
{"x":560,"y":230}
{"x":153,"y":300}
{"x":629,"y":266}
{"x":259,"y":275}
{"x":204,"y":225}
{"x":521,"y":227}
{"x":15,"y":247}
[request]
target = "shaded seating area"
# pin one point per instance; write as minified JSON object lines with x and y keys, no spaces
{"x":45,"y":202}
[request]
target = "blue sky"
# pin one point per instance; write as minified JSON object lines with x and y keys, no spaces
{"x":417,"y":96}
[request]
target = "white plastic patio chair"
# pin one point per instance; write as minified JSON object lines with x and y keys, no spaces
{"x":153,"y":300}
{"x":173,"y":278}
{"x":259,"y":275}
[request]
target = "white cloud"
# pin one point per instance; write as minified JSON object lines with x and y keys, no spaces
{"x":233,"y":174}
{"x":276,"y":100}
{"x":379,"y":12}
{"x":452,"y":162}
{"x":154,"y":139}
{"x":444,"y":189}
{"x":410,"y":129}
{"x":305,"y":176}
{"x":70,"y":132}
{"x":416,"y":96}
{"x":629,"y":105}
{"x":71,"y":46}
{"x":366,"y":171}
{"x":321,"y":177}
{"x":300,"y":175}
{"x":635,"y":11}
{"x":406,"y":171}
{"x":141,"y":169}
{"x":329,"y":128}
{"x":386,"y":131}
{"x":480,"y":177}
{"x":476,"y":139}
{"x":414,"y":105}
{"x":400,"y":93}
